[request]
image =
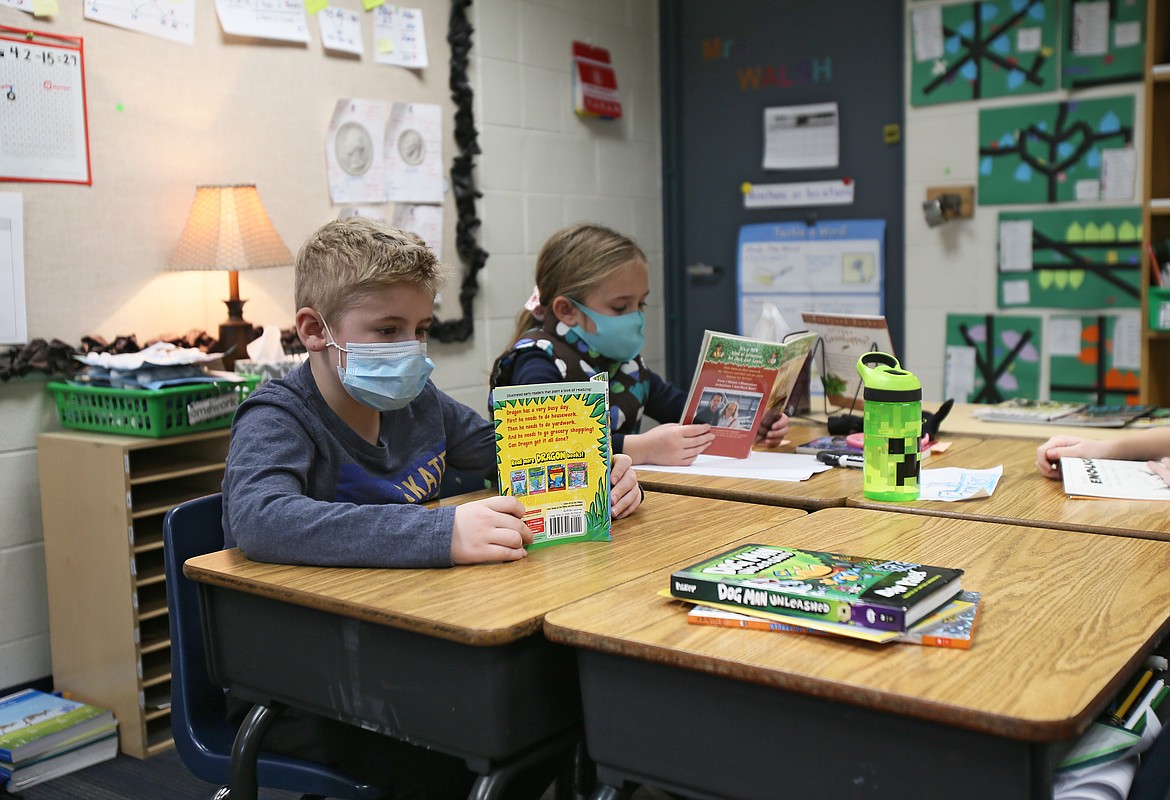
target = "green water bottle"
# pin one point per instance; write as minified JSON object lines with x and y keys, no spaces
{"x":892,"y":426}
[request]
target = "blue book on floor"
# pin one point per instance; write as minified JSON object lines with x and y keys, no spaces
{"x":32,"y":723}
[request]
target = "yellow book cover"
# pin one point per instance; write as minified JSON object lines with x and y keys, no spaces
{"x":552,"y":454}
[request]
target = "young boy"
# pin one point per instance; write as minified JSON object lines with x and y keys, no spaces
{"x":330,"y":465}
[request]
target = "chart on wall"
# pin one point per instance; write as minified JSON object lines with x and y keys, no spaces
{"x":1095,"y":359}
{"x":1057,"y":152}
{"x":1083,"y":258}
{"x":1104,"y":42}
{"x":990,"y":358}
{"x":833,"y":267}
{"x":972,"y":51}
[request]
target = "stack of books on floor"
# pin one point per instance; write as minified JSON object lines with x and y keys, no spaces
{"x":789,"y":590}
{"x":43,"y":736}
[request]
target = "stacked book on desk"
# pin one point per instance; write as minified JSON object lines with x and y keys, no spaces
{"x":811,"y":591}
{"x":1081,"y":415}
{"x":43,"y":736}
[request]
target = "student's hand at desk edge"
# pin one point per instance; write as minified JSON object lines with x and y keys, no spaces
{"x":669,"y":444}
{"x":1048,"y":455}
{"x":624,"y":495}
{"x":489,"y":530}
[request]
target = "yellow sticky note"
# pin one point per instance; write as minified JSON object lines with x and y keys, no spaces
{"x":385,"y":45}
{"x":370,"y":5}
{"x":44,"y":8}
{"x":314,"y":6}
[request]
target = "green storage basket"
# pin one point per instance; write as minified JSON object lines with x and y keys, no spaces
{"x":143,"y":412}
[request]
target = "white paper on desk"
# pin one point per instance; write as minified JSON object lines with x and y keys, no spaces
{"x":175,"y":20}
{"x":414,"y":153}
{"x":353,"y":152}
{"x":341,"y":30}
{"x":791,"y":467}
{"x":283,"y":20}
{"x":955,"y":483}
{"x":399,"y":38}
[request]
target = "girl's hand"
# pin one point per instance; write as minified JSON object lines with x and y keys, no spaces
{"x":1048,"y":455}
{"x":773,"y":435}
{"x":670,"y":444}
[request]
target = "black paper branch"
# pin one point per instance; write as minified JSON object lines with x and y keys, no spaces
{"x":473,"y":256}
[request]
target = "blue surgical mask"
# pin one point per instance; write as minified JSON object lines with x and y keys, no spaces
{"x":385,"y":376}
{"x":619,"y":338}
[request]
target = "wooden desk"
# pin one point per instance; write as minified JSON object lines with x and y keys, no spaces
{"x":1025,"y":497}
{"x":730,"y":713}
{"x":824,"y":490}
{"x":450,"y":658}
{"x":960,"y":423}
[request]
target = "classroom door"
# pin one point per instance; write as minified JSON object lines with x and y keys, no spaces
{"x":723,"y":63}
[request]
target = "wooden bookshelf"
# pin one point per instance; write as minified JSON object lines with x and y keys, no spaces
{"x":103,"y":498}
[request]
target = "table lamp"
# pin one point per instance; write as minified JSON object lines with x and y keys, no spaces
{"x":228,"y":229}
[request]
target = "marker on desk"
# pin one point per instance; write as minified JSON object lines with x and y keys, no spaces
{"x":840,"y":459}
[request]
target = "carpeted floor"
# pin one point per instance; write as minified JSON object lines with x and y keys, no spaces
{"x":162,"y":776}
{"x":125,"y":778}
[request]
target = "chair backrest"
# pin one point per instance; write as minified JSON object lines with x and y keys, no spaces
{"x":203,"y":736}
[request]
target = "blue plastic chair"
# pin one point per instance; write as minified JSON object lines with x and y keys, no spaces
{"x":203,"y":736}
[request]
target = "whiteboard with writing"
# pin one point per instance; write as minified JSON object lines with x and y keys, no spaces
{"x":43,"y":128}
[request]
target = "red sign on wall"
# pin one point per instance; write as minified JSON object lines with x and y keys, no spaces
{"x":595,"y":92}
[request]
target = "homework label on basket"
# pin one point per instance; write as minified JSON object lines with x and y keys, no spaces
{"x":211,"y":408}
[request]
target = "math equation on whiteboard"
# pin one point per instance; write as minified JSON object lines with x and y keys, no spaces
{"x":43,"y":57}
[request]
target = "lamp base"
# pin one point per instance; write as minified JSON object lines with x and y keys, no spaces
{"x":234,"y":336}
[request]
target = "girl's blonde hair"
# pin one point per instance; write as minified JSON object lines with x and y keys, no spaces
{"x":573,"y":262}
{"x":344,"y":260}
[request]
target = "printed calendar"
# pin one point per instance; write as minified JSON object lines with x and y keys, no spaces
{"x":43,"y":131}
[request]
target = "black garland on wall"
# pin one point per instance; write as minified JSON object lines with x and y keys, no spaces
{"x":459,"y":32}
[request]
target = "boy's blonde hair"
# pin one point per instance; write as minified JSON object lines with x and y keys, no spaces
{"x":575,"y":261}
{"x":346,"y":259}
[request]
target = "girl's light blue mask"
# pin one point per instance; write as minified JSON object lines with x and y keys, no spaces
{"x":385,"y":376}
{"x":621,"y":337}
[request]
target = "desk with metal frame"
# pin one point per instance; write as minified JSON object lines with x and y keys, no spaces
{"x":1025,"y":497}
{"x":750,"y":715}
{"x":823,"y":490}
{"x":453,"y":658}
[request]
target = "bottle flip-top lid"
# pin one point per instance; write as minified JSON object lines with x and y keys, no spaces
{"x":885,"y":380}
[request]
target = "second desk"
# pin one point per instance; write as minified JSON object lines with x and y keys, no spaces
{"x":448,"y":658}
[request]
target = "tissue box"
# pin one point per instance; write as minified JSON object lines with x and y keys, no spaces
{"x":269,"y":370}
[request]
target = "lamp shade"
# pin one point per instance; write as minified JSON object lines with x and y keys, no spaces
{"x":228,"y":229}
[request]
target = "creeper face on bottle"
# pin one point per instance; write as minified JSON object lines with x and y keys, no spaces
{"x":891,"y":447}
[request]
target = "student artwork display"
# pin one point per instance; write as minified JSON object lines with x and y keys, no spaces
{"x":832,"y":267}
{"x":1105,"y":43}
{"x":1095,"y":359}
{"x":282,"y":20}
{"x":44,"y":129}
{"x":1057,"y":152}
{"x":992,"y":358}
{"x":399,"y":37}
{"x":174,"y":20}
{"x":1071,"y":259}
{"x":973,"y":51}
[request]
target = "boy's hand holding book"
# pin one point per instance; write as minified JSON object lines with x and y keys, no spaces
{"x":624,"y":495}
{"x":489,"y":530}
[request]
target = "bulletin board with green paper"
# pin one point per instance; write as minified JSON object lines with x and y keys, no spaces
{"x":1082,"y":258}
{"x":1045,"y":153}
{"x":972,"y":51}
{"x":991,"y":358}
{"x":1102,"y":43}
{"x":1094,"y":359}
